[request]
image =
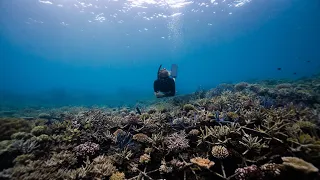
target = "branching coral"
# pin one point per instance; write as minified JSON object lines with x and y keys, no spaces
{"x":252,"y":143}
{"x":22,"y":159}
{"x":21,"y":136}
{"x":218,"y":133}
{"x":120,"y":157}
{"x":87,"y":148}
{"x":38,"y":130}
{"x":26,"y":147}
{"x":9,"y":126}
{"x":177,"y":141}
{"x":63,"y":159}
{"x":100,"y":167}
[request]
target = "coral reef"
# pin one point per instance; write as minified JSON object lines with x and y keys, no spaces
{"x":9,"y":126}
{"x":266,"y":130}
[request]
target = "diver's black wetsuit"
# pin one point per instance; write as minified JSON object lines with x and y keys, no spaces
{"x":165,"y":85}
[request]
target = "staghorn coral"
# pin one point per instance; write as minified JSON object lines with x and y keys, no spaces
{"x":202,"y":162}
{"x":218,"y":132}
{"x":21,"y":136}
{"x":299,"y":164}
{"x":62,"y":159}
{"x":177,"y":141}
{"x":9,"y":126}
{"x":252,"y":143}
{"x":157,"y":138}
{"x":307,"y":125}
{"x":100,"y":167}
{"x":22,"y":159}
{"x":25,"y":147}
{"x":120,"y":157}
{"x":219,"y":152}
{"x":307,"y":139}
{"x":293,"y":130}
{"x":43,"y":138}
{"x":87,"y":148}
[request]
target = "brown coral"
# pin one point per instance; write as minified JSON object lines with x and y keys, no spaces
{"x":299,"y":164}
{"x":140,"y":137}
{"x":194,"y":132}
{"x":202,"y":162}
{"x":119,"y":132}
{"x":117,"y":176}
{"x":145,"y":158}
{"x":148,"y":150}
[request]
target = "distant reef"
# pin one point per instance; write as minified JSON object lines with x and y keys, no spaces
{"x":262,"y":130}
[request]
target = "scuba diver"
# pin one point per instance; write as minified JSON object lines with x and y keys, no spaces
{"x":164,"y":85}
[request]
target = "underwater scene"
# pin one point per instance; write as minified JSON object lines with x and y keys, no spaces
{"x":159,"y":89}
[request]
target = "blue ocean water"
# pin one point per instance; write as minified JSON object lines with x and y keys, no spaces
{"x":84,"y":52}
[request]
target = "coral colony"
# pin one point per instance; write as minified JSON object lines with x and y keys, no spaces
{"x":266,"y":130}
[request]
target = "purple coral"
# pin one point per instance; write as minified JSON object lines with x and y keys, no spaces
{"x":87,"y":148}
{"x":177,"y":141}
{"x":249,"y":172}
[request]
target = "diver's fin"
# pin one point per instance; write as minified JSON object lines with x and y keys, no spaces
{"x":174,"y":70}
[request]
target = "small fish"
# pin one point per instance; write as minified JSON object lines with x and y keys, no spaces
{"x":294,"y":73}
{"x":279,"y":69}
{"x":308,"y":61}
{"x":138,"y":110}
